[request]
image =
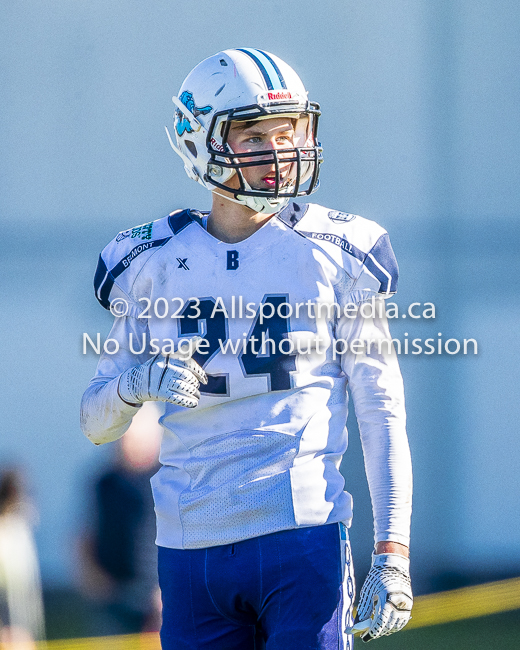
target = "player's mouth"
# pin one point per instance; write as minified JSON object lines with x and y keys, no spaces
{"x":270,"y":179}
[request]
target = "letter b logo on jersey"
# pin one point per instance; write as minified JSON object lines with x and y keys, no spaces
{"x":232,"y":260}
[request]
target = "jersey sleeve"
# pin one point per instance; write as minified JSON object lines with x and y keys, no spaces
{"x":377,"y":391}
{"x":104,"y":415}
{"x":378,"y":272}
{"x":122,"y":260}
{"x":358,"y":246}
{"x":108,"y":289}
{"x":119,"y":278}
{"x":380,"y":263}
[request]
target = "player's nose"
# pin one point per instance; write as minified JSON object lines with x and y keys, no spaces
{"x":274,"y":145}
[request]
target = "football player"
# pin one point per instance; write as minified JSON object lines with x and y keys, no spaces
{"x":280,"y":304}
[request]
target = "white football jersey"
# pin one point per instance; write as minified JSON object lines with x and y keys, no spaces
{"x":261,"y":451}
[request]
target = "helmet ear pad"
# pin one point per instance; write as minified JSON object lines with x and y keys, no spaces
{"x":218,"y":173}
{"x":216,"y":149}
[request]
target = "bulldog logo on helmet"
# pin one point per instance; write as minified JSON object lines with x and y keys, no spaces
{"x":183,"y":124}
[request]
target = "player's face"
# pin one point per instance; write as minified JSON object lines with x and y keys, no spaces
{"x":276,"y":133}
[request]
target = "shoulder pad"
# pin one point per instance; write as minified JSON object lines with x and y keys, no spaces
{"x":123,"y":258}
{"x":361,"y":246}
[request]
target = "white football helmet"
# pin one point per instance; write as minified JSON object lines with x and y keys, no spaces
{"x":244,"y":85}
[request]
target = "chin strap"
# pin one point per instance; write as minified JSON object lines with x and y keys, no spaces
{"x":262,"y":204}
{"x":256,"y":203}
{"x":229,"y":198}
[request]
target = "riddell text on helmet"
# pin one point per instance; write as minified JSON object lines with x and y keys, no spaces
{"x":280,"y":94}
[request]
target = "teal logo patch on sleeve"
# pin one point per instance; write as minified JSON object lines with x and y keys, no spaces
{"x":141,"y":232}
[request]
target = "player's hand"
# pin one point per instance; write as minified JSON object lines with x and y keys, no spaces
{"x":386,"y":596}
{"x":168,"y":378}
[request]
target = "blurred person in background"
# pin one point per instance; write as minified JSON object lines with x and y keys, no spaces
{"x":21,"y":603}
{"x":118,"y":552}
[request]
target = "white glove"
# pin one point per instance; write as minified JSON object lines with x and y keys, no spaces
{"x":386,"y":596}
{"x":163,"y":379}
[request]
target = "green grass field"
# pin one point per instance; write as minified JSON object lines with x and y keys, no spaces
{"x":497,"y":631}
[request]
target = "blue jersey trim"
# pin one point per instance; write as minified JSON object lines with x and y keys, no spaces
{"x":104,"y":279}
{"x":179,"y":220}
{"x":343,"y":243}
{"x":100,"y":277}
{"x":270,"y":71}
{"x":292,"y":214}
{"x":381,"y":262}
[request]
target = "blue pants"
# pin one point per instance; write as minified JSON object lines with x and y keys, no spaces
{"x":291,"y":590}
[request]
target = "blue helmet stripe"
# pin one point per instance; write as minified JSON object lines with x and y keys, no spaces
{"x":270,"y":72}
{"x":276,"y":68}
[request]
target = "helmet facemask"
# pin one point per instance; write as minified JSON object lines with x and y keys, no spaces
{"x":295,"y":168}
